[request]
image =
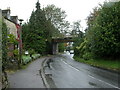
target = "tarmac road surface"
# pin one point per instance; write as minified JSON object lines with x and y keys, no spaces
{"x":64,"y":72}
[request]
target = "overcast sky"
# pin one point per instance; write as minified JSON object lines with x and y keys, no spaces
{"x":75,"y":9}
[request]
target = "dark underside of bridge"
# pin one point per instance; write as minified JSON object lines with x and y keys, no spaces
{"x":55,"y":42}
{"x":62,"y":40}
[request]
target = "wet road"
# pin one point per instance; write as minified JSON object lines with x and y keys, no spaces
{"x":67,"y":73}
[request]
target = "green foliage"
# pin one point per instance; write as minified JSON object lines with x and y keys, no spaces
{"x":80,"y":49}
{"x":61,"y":47}
{"x":36,"y":32}
{"x":11,"y":38}
{"x":103,"y":63}
{"x":79,"y":39}
{"x":16,"y":52}
{"x":87,"y":56}
{"x":31,"y":51}
{"x":4,"y":44}
{"x":76,"y":28}
{"x":57,"y":18}
{"x":26,"y":59}
{"x":77,"y":44}
{"x":35,"y":56}
{"x":102,"y":38}
{"x":91,"y":18}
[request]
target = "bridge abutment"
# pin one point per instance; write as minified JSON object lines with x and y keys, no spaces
{"x":57,"y":40}
{"x":55,"y":48}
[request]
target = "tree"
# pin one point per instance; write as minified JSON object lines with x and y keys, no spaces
{"x":76,"y":30}
{"x":102,"y":38}
{"x":61,"y":47}
{"x":104,"y":35}
{"x":35,"y":32}
{"x":4,"y":44}
{"x":92,"y":16}
{"x":57,"y":17}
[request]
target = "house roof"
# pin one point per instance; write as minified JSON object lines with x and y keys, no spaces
{"x":6,"y":10}
{"x":12,"y":18}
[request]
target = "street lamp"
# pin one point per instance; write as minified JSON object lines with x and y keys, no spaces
{"x":20,"y":20}
{"x":20,"y":42}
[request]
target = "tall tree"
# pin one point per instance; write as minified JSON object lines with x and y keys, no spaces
{"x":92,"y":16}
{"x":36,"y":31}
{"x":57,"y":17}
{"x":76,"y":30}
{"x":104,"y":35}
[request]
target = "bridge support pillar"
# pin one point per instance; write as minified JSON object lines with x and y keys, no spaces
{"x":55,"y":48}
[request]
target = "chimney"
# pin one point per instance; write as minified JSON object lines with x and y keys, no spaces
{"x":6,"y":13}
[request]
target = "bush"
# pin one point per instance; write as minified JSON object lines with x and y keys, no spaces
{"x":61,"y":47}
{"x":87,"y":56}
{"x":35,"y":56}
{"x":16,"y":52}
{"x":26,"y":59}
{"x":12,"y":39}
{"x":104,"y":34}
{"x":31,"y":51}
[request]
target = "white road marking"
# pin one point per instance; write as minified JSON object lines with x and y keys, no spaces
{"x":104,"y":82}
{"x":91,"y":76}
{"x":71,"y":66}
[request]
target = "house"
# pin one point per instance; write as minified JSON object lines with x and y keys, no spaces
{"x":10,"y":21}
{"x":12,"y":28}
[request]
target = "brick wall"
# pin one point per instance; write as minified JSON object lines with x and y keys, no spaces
{"x":11,"y":48}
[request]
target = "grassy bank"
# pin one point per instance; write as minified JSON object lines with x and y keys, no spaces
{"x":106,"y":64}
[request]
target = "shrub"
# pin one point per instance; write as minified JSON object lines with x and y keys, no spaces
{"x":31,"y":51}
{"x":11,"y":38}
{"x":16,"y":53}
{"x":26,"y":59}
{"x":35,"y":56}
{"x":87,"y":56}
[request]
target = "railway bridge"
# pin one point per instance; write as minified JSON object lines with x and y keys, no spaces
{"x":57,"y":40}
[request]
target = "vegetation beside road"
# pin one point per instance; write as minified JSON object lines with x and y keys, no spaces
{"x":44,"y":24}
{"x":27,"y":58}
{"x":36,"y":34}
{"x":106,"y":64}
{"x":100,"y":45}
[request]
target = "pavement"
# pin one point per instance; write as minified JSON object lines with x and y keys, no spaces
{"x":29,"y":77}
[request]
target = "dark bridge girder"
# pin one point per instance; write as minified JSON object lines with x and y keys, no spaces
{"x":62,"y":40}
{"x":55,"y":42}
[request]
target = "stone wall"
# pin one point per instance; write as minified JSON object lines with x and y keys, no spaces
{"x":11,"y":27}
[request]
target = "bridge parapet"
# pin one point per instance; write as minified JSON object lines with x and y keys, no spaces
{"x":69,"y":38}
{"x":56,"y":40}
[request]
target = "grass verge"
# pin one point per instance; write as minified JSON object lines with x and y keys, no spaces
{"x":106,"y":64}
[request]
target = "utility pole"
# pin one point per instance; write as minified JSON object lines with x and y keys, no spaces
{"x":20,"y":43}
